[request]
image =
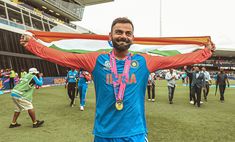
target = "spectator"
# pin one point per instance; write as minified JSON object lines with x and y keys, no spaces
{"x":222,"y":78}
{"x":198,"y":81}
{"x":171,"y":76}
{"x":22,"y":73}
{"x":12,"y":78}
{"x":151,"y":87}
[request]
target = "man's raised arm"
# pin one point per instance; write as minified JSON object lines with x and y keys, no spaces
{"x":157,"y":62}
{"x":71,"y":60}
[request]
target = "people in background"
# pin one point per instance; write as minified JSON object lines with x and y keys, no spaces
{"x":22,"y":73}
{"x":171,"y":77}
{"x":206,"y":87}
{"x":12,"y":78}
{"x":71,"y":84}
{"x":190,"y":77}
{"x":151,"y":87}
{"x":198,"y":81}
{"x":222,"y":81}
{"x":84,"y":77}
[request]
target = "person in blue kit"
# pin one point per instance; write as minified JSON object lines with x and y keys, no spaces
{"x":84,"y":77}
{"x":71,"y":78}
{"x":120,"y":80}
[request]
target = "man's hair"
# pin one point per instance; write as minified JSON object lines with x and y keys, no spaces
{"x":123,"y":20}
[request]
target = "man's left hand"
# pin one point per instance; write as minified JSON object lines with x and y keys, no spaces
{"x":210,"y":46}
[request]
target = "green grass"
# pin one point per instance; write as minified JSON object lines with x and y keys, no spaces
{"x":180,"y":122}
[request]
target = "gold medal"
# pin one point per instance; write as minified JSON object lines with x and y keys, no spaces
{"x":119,"y":105}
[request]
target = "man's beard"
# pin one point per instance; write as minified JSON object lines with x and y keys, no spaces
{"x":121,"y":47}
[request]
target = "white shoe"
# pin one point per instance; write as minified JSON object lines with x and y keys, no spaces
{"x":191,"y":102}
{"x":81,"y":108}
{"x":149,"y":99}
{"x":153,"y":100}
{"x":201,"y":102}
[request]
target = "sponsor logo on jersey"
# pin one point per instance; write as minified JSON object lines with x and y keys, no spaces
{"x":107,"y":65}
{"x":134,"y":64}
{"x":131,"y":80}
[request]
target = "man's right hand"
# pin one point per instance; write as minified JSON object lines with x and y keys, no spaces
{"x":40,"y":74}
{"x":24,"y":39}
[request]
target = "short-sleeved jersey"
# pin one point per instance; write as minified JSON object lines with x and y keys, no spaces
{"x":110,"y":122}
{"x":82,"y":79}
{"x":71,"y":76}
{"x":130,"y":121}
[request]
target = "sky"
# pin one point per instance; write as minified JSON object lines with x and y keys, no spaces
{"x":215,"y":18}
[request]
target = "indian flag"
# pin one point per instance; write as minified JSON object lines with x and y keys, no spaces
{"x":84,"y":43}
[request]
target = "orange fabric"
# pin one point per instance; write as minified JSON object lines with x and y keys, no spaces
{"x":200,"y":40}
{"x":71,"y":60}
{"x":54,"y":36}
{"x":157,"y":62}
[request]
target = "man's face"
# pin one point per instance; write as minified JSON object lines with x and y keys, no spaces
{"x":197,"y":69}
{"x":203,"y":69}
{"x":121,"y":36}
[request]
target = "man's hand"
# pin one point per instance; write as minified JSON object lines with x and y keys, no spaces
{"x":210,"y":46}
{"x":24,"y":39}
{"x":185,"y":67}
{"x":40,"y":74}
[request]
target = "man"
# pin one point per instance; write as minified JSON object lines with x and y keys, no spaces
{"x":71,"y":85}
{"x":190,"y":77}
{"x":208,"y":82}
{"x":198,"y":81}
{"x":151,"y":87}
{"x":22,"y":73}
{"x":12,"y":78}
{"x":120,"y":80}
{"x":221,"y":80}
{"x":184,"y":78}
{"x":84,"y":77}
{"x":171,"y":76}
{"x":22,"y":95}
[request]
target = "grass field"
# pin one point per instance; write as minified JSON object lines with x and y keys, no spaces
{"x":179,"y":122}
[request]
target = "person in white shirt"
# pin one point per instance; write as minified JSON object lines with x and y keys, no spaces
{"x":207,"y":84}
{"x":151,"y":87}
{"x":171,"y":76}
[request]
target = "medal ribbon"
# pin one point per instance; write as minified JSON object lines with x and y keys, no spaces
{"x":119,"y":86}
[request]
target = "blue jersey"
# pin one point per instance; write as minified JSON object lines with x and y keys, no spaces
{"x":110,"y":122}
{"x":71,"y":76}
{"x":82,"y":79}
